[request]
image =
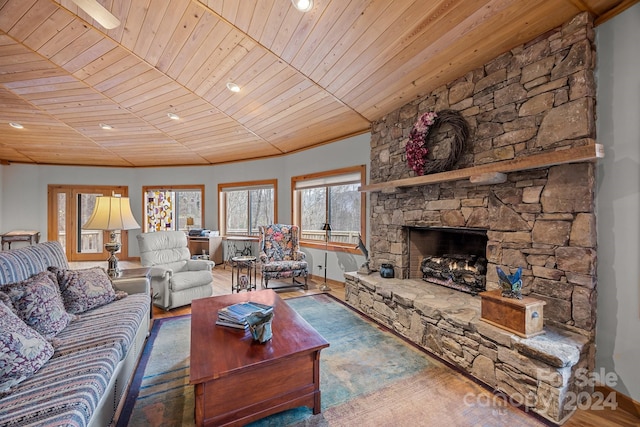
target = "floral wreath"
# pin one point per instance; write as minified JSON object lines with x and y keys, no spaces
{"x":425,"y":127}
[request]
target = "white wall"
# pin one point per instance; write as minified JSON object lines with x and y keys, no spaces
{"x":23,"y":197}
{"x":618,"y":200}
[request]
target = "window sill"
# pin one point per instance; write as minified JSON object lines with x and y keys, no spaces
{"x":333,"y":247}
{"x":240,"y":237}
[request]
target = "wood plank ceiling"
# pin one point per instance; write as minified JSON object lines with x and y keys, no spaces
{"x":306,"y":78}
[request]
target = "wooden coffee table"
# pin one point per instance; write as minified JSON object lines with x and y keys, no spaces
{"x":238,"y":380}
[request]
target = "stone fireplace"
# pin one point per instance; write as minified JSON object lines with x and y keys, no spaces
{"x":536,"y":98}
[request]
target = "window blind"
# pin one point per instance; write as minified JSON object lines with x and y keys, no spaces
{"x":343,"y":179}
{"x":247,"y":188}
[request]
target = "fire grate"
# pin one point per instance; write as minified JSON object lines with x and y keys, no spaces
{"x":454,"y":257}
{"x":466,"y":273}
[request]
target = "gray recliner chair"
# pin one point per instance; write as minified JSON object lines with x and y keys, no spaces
{"x":176,"y":279}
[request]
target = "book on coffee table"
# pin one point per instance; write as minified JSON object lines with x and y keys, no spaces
{"x":232,"y":324}
{"x":235,"y":315}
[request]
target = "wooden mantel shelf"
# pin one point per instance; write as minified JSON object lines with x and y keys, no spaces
{"x":584,"y":153}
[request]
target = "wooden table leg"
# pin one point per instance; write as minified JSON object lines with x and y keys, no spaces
{"x":316,"y":380}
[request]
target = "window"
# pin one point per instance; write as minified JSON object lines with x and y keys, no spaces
{"x":69,"y":207}
{"x":244,"y":206}
{"x":331,"y":197}
{"x":174,"y":207}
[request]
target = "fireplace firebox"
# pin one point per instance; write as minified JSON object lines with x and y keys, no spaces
{"x":449,"y":256}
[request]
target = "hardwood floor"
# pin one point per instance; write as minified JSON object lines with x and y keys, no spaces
{"x":582,"y":418}
{"x":222,"y":286}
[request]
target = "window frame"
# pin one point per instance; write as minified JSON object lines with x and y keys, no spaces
{"x":222,"y":202}
{"x":193,"y":187}
{"x":296,"y":206}
{"x":71,"y":219}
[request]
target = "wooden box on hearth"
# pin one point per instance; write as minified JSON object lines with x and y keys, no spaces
{"x":523,"y":317}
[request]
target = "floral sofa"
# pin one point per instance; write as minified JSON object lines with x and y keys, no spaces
{"x":70,"y":341}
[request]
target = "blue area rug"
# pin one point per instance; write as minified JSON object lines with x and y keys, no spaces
{"x":369,"y":376}
{"x":360,"y":359}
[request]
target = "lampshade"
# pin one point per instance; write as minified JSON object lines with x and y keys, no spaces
{"x":111,"y":213}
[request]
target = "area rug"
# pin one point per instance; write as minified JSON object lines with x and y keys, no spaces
{"x":369,"y":376}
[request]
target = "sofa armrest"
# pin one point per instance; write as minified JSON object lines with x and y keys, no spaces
{"x":199,"y":264}
{"x":134,"y":285}
{"x":300,"y":256}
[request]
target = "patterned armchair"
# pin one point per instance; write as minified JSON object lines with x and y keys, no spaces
{"x":280,"y":254}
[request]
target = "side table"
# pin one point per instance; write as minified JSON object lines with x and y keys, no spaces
{"x":135,"y":281}
{"x":233,"y":248}
{"x":242,"y":269}
{"x":32,"y":237}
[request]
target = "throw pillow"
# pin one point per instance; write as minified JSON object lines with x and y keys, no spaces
{"x":7,"y":301}
{"x":23,"y":351}
{"x":83,"y":290}
{"x":38,"y":303}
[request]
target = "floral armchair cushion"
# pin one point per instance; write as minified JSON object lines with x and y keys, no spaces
{"x":280,"y":254}
{"x":279,"y":242}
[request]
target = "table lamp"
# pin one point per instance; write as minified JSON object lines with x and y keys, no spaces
{"x":111,"y":214}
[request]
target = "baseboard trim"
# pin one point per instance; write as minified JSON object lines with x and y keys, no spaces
{"x":625,"y":403}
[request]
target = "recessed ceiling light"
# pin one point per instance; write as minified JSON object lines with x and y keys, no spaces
{"x":233,"y":87}
{"x":173,"y":116}
{"x":303,"y":5}
{"x":105,"y":126}
{"x":16,"y":125}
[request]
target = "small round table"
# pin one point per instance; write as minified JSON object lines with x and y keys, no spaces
{"x":242,"y":270}
{"x":234,"y":248}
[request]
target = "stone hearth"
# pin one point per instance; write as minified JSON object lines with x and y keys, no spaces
{"x":535,"y":372}
{"x":536,"y":98}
